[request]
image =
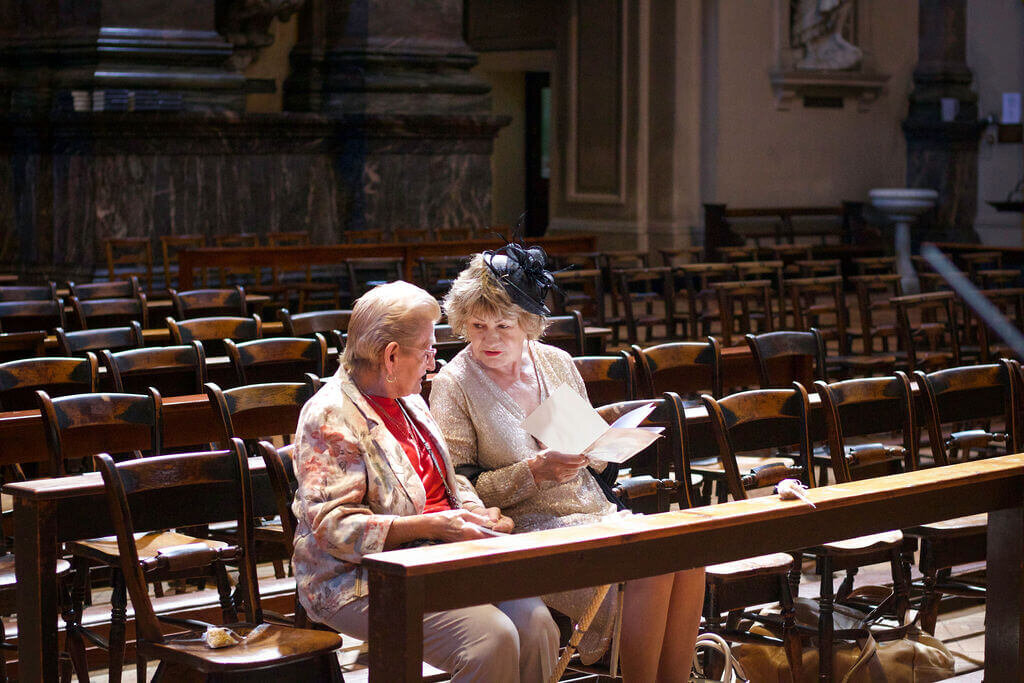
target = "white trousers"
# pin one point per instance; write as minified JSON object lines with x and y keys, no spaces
{"x":511,"y":642}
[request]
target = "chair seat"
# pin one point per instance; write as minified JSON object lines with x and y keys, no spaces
{"x":148,"y":545}
{"x":7,"y":570}
{"x":773,"y":563}
{"x":745,"y":463}
{"x":863,"y":543}
{"x":275,"y":645}
{"x":876,"y":360}
{"x":958,"y":526}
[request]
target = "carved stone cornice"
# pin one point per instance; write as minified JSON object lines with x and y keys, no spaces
{"x":246,"y":25}
{"x":864,"y":87}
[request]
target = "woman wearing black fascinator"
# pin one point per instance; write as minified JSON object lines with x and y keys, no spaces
{"x":479,"y":400}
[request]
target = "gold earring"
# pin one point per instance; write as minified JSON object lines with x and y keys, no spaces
{"x":389,"y":378}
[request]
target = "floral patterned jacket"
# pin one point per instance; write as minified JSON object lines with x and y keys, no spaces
{"x":354,"y":480}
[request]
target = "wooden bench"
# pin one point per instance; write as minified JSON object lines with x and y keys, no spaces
{"x":284,"y":258}
{"x":406,"y":584}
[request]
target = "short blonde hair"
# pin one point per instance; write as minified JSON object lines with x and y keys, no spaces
{"x":391,"y":312}
{"x":477,"y":292}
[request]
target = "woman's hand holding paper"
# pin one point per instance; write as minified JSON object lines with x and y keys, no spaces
{"x":550,"y":465}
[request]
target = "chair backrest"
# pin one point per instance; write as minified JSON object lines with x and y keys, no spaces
{"x":292,"y":238}
{"x":283,"y":484}
{"x":436,"y":273}
{"x":681,"y":255}
{"x":665,"y":455}
{"x":277,"y":359}
{"x":308,"y":324}
{"x":566,"y":332}
{"x":609,"y":379}
{"x":757,"y":420}
{"x":47,"y":292}
{"x":20,"y":345}
{"x":453,"y":234}
{"x":641,"y":287}
{"x":446,"y":343}
{"x":411,"y":235}
{"x":739,"y":253}
{"x":115,"y":289}
{"x":204,"y":303}
{"x":81,"y":425}
{"x":30,"y":316}
{"x":742,"y":305}
{"x":109,"y":338}
{"x":863,"y":407}
{"x":970,"y":394}
{"x":1010,"y":302}
{"x":581,"y":290}
{"x":362,"y":236}
{"x":820,"y":302}
{"x":20,"y":379}
{"x":934,"y":330}
{"x":787,"y":356}
{"x":170,"y":245}
{"x":819,"y":267}
{"x":874,"y":295}
{"x":93,"y":313}
{"x":365,"y":273}
{"x":132,"y":253}
{"x":171,"y":370}
{"x":685,"y":368}
{"x":214,"y":330}
{"x":259,"y":411}
{"x":181,"y":483}
{"x":875,"y":265}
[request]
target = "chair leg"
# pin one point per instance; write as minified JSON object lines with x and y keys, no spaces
{"x":825,"y":626}
{"x":72,"y":614}
{"x":118,"y":619}
{"x":790,"y":635}
{"x":279,"y":572}
{"x":901,"y":584}
{"x":228,"y":606}
{"x":846,"y":587}
{"x":930,"y":603}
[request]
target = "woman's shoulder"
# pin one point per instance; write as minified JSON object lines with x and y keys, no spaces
{"x":551,"y":354}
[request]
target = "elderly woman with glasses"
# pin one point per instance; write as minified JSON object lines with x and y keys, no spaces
{"x":480,"y":400}
{"x":374,"y":473}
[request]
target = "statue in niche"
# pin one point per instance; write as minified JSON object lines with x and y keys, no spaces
{"x":816,"y":26}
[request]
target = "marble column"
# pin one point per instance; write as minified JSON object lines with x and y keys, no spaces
{"x":943,"y":154}
{"x":397,"y":74}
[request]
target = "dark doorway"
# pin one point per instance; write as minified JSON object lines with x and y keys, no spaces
{"x":538,"y":144}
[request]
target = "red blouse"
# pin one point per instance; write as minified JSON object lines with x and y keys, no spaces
{"x":395,"y":420}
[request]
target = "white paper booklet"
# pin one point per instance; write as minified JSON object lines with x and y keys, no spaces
{"x":566,"y":422}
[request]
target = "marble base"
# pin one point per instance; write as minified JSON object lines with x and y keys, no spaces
{"x":79,"y":179}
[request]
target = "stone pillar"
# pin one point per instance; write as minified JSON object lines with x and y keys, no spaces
{"x":943,"y":155}
{"x":396,"y":74}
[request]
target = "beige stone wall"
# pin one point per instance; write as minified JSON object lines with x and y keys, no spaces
{"x":756,"y":155}
{"x":995,"y":53}
{"x":272,"y":62}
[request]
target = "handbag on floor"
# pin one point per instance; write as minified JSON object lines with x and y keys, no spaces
{"x":915,"y":658}
{"x":732,"y":672}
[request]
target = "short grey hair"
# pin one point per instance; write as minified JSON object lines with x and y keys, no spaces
{"x":476,"y":291}
{"x":391,"y":312}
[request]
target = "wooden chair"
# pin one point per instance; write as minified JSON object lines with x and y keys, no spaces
{"x":737,"y":253}
{"x":583,"y":260}
{"x":238,"y":275}
{"x":47,"y":292}
{"x":819,"y":267}
{"x":875,"y":265}
{"x":95,"y":313}
{"x":876,"y":312}
{"x":307,"y":290}
{"x":128,"y":257}
{"x":581,"y":290}
{"x":214,"y":330}
{"x":77,"y":426}
{"x":362,"y":236}
{"x":929,"y":338}
{"x":172,"y":370}
{"x":411,"y":235}
{"x":819,"y":302}
{"x":779,"y":418}
{"x":31,"y":316}
{"x":641,"y":293}
{"x":117,"y":289}
{"x":453,"y":234}
{"x":680,"y":256}
{"x":955,"y":398}
{"x":170,"y":245}
{"x":980,"y":260}
{"x":566,"y":332}
{"x":203,"y":303}
{"x":998,"y":278}
{"x":609,"y":261}
{"x":446,"y":343}
{"x":744,"y":306}
{"x":1010,"y":302}
{"x":685,"y":368}
{"x":609,"y":379}
{"x":291,"y":654}
{"x":436,"y":273}
{"x":331,"y":324}
{"x":20,"y":379}
{"x":789,"y":254}
{"x":109,"y":338}
{"x":20,"y":345}
{"x":366,"y":273}
{"x":788,"y":356}
{"x":766,"y":270}
{"x":253,"y":413}
{"x":699,"y":308}
{"x":277,"y":359}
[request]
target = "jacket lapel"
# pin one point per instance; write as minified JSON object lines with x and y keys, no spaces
{"x":386,"y":444}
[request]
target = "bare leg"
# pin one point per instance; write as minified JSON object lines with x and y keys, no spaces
{"x":644,"y":614}
{"x":683,"y":623}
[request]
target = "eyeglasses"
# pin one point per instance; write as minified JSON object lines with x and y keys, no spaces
{"x":429,"y":353}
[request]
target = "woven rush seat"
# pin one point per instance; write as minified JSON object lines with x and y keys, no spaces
{"x":148,"y":544}
{"x":274,"y":645}
{"x":751,"y":566}
{"x":860,"y":544}
{"x":964,"y":525}
{"x":7,"y":570}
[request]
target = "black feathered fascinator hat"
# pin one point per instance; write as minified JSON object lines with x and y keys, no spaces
{"x":523,"y":274}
